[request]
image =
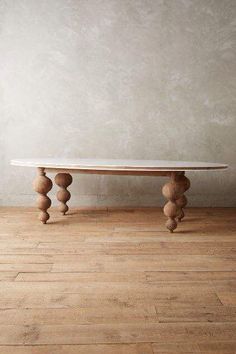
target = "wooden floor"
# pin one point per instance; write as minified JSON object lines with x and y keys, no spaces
{"x":116,"y":282}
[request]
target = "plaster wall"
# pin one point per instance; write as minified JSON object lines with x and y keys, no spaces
{"x":142,"y":79}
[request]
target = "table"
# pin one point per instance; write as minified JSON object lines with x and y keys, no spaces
{"x":173,"y":190}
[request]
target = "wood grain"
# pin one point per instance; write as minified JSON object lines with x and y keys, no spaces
{"x":114,"y":281}
{"x":141,"y":348}
{"x":117,"y":333}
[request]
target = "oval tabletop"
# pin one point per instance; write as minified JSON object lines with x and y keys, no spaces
{"x":117,"y":165}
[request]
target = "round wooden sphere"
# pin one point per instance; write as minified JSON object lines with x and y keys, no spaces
{"x":172,"y":191}
{"x":42,"y":184}
{"x":43,"y":217}
{"x":171,"y":209}
{"x":63,"y":195}
{"x":43,"y":202}
{"x":171,"y":224}
{"x":63,"y":179}
{"x":185,"y":182}
{"x":182,"y":201}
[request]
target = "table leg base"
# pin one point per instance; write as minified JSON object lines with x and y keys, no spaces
{"x":42,"y":185}
{"x":63,"y":180}
{"x":174,"y":192}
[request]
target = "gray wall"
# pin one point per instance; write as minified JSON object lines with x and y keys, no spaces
{"x":148,"y":79}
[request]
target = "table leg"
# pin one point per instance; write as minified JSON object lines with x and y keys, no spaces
{"x":42,"y":185}
{"x":182,"y":201}
{"x":173,"y":191}
{"x":63,"y":180}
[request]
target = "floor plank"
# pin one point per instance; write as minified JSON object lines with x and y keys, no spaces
{"x":87,"y":277}
{"x":227,"y":298}
{"x":158,"y":276}
{"x":59,"y":294}
{"x":150,"y":277}
{"x":8,"y":276}
{"x":142,"y":248}
{"x":25,"y":267}
{"x":196,"y":314}
{"x":75,"y":315}
{"x":79,"y":349}
{"x":142,"y":263}
{"x":187,"y":348}
{"x":117,"y":333}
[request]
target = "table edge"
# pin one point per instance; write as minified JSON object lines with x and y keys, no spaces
{"x":113,"y":168}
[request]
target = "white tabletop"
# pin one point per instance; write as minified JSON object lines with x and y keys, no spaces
{"x":117,"y":165}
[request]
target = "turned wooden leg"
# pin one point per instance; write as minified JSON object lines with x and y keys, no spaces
{"x":182,"y":201}
{"x":172,"y":191}
{"x":42,"y":185}
{"x":63,"y":180}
